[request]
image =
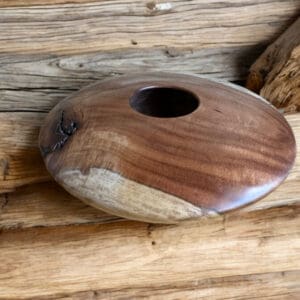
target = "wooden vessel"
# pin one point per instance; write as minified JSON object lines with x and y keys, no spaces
{"x":162,"y":147}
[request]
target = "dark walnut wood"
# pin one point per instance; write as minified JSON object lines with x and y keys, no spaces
{"x":165,"y":147}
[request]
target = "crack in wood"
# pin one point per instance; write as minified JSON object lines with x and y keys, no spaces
{"x":4,"y":202}
{"x":64,"y":131}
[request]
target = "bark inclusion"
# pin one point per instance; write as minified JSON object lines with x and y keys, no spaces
{"x":63,"y":132}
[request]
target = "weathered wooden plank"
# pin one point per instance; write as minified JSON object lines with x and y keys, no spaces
{"x":108,"y":25}
{"x":25,"y":100}
{"x":46,"y":79}
{"x":46,"y":204}
{"x":12,"y":3}
{"x":42,"y":60}
{"x":281,"y":285}
{"x":20,"y":160}
{"x":69,"y":259}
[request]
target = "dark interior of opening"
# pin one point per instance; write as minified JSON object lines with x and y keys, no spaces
{"x":164,"y":102}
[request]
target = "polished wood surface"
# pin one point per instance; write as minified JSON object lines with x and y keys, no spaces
{"x":229,"y":151}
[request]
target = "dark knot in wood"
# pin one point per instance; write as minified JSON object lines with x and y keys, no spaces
{"x":64,"y":132}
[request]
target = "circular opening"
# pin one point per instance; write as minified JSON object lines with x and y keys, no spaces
{"x":164,"y":102}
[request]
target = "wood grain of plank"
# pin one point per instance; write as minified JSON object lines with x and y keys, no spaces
{"x":22,"y":3}
{"x":280,"y":285}
{"x":20,"y":160}
{"x":50,"y":50}
{"x":108,"y":25}
{"x":70,"y":259}
{"x":46,"y":79}
{"x":46,"y":204}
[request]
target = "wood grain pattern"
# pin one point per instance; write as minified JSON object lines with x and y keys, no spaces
{"x":276,"y":73}
{"x":280,"y":285}
{"x":46,"y":78}
{"x":48,"y":51}
{"x":20,"y":161}
{"x":153,"y":167}
{"x":22,"y":3}
{"x":47,"y":204}
{"x":69,"y":259}
{"x":108,"y":25}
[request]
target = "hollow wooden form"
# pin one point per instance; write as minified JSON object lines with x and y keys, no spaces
{"x":117,"y":147}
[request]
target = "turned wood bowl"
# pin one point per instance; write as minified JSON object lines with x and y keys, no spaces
{"x":165,"y":147}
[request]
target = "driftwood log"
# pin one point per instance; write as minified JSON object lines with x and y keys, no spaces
{"x":276,"y":73}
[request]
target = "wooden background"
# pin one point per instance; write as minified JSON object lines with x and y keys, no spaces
{"x":53,"y":246}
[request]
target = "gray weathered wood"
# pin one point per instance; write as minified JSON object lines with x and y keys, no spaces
{"x":108,"y":25}
{"x":30,"y":79}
